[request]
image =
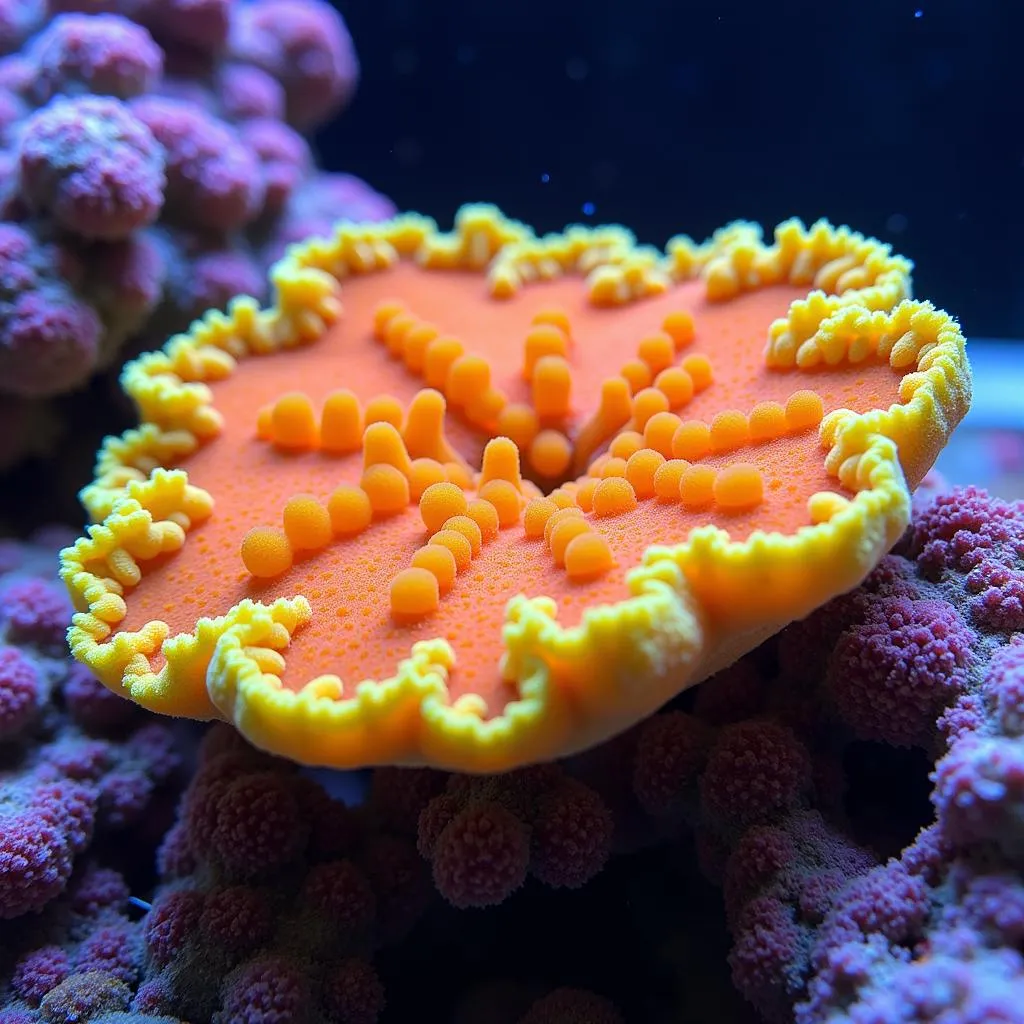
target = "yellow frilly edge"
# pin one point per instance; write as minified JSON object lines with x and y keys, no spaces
{"x":693,"y":608}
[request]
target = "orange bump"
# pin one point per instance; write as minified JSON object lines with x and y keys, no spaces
{"x":641,"y":470}
{"x":667,"y":477}
{"x":439,"y":503}
{"x":729,"y":430}
{"x":485,"y":515}
{"x":692,"y":440}
{"x":457,"y":544}
{"x":350,"y":510}
{"x":535,"y":518}
{"x":293,"y":422}
{"x":484,"y":408}
{"x":563,"y":497}
{"x":468,"y":528}
{"x":543,"y":340}
{"x":699,"y":368}
{"x":438,"y":358}
{"x":383,"y":445}
{"x":585,"y":494}
{"x":468,"y":377}
{"x":264,"y":424}
{"x":384,"y":409}
{"x":615,"y":404}
{"x":697,"y":487}
{"x":423,"y":473}
{"x":458,"y":474}
{"x":395,"y":332}
{"x":556,"y":318}
{"x":660,"y":430}
{"x":678,"y":325}
{"x":383,"y":314}
{"x":307,"y":524}
{"x":612,"y":467}
{"x":614,"y":497}
{"x":439,"y":560}
{"x":614,"y":409}
{"x":560,"y":516}
{"x":676,"y":385}
{"x":657,"y":351}
{"x":423,"y":433}
{"x":552,"y":387}
{"x":414,"y":353}
{"x":563,"y":533}
{"x":823,"y":505}
{"x":506,"y":500}
{"x":501,"y":462}
{"x":341,"y":423}
{"x":386,"y":487}
{"x":637,"y":374}
{"x":626,"y":444}
{"x":738,"y":487}
{"x":519,"y":423}
{"x":804,"y":409}
{"x":266,"y":552}
{"x":415,"y":593}
{"x":647,"y":403}
{"x":550,"y":453}
{"x":767,"y":421}
{"x":587,"y":557}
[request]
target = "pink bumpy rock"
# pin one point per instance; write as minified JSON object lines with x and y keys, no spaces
{"x":103,"y":54}
{"x":213,"y":181}
{"x":892,"y":676}
{"x":37,"y":611}
{"x":93,"y":167}
{"x":306,"y":47}
{"x":20,"y":693}
{"x":755,"y":770}
{"x":481,"y":856}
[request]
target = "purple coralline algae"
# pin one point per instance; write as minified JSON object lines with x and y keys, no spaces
{"x":152,"y":166}
{"x":78,"y":766}
{"x":928,"y":654}
{"x":273,"y":900}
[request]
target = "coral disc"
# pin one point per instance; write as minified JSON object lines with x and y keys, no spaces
{"x":481,"y":499}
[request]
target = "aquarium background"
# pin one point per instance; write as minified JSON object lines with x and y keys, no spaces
{"x":897,"y":118}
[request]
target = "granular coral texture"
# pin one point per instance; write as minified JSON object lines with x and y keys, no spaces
{"x":484,"y":837}
{"x":81,"y":768}
{"x":823,"y":931}
{"x":277,"y":897}
{"x":80,"y":958}
{"x":152,"y":165}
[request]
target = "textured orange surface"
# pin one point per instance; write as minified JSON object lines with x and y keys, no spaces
{"x":352,"y":632}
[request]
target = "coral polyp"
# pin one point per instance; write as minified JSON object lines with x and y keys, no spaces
{"x":483,"y":498}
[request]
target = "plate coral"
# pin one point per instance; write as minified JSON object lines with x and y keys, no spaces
{"x":480,"y":499}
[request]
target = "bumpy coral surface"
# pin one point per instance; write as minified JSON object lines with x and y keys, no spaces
{"x":298,"y":539}
{"x":274,"y":897}
{"x":484,"y":836}
{"x":79,"y":764}
{"x":927,"y":653}
{"x":152,"y":164}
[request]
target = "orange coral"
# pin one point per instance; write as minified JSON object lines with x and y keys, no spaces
{"x":678,"y":454}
